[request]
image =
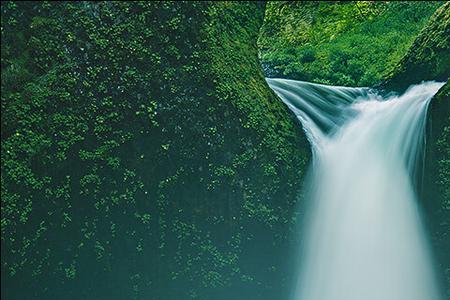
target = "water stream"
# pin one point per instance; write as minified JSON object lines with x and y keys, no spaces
{"x":364,"y":238}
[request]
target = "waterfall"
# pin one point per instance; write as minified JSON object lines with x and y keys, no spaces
{"x":363,"y":238}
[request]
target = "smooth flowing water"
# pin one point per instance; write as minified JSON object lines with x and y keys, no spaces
{"x":364,"y":239}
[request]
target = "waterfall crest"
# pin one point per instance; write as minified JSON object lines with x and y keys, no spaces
{"x":363,"y":238}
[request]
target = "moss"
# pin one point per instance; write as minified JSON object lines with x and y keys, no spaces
{"x":351,"y":43}
{"x":436,"y":179}
{"x":143,"y":154}
{"x":428,"y":58}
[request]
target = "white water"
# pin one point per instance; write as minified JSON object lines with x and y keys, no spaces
{"x":364,"y":239}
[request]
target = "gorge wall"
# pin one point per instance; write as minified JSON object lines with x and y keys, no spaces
{"x":143,"y":153}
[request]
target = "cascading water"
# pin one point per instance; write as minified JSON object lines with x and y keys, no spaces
{"x":364,"y":239}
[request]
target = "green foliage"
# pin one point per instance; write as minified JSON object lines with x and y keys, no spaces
{"x":139,"y":158}
{"x":351,"y":43}
{"x":428,"y":58}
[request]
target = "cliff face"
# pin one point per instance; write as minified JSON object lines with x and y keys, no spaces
{"x":143,"y":154}
{"x":436,"y":178}
{"x":429,"y":59}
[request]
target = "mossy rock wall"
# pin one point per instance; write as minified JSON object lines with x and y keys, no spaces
{"x":435,"y":193}
{"x":143,"y":154}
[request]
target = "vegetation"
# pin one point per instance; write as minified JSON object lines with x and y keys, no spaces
{"x":428,"y":58}
{"x":143,"y":154}
{"x":350,"y":43}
